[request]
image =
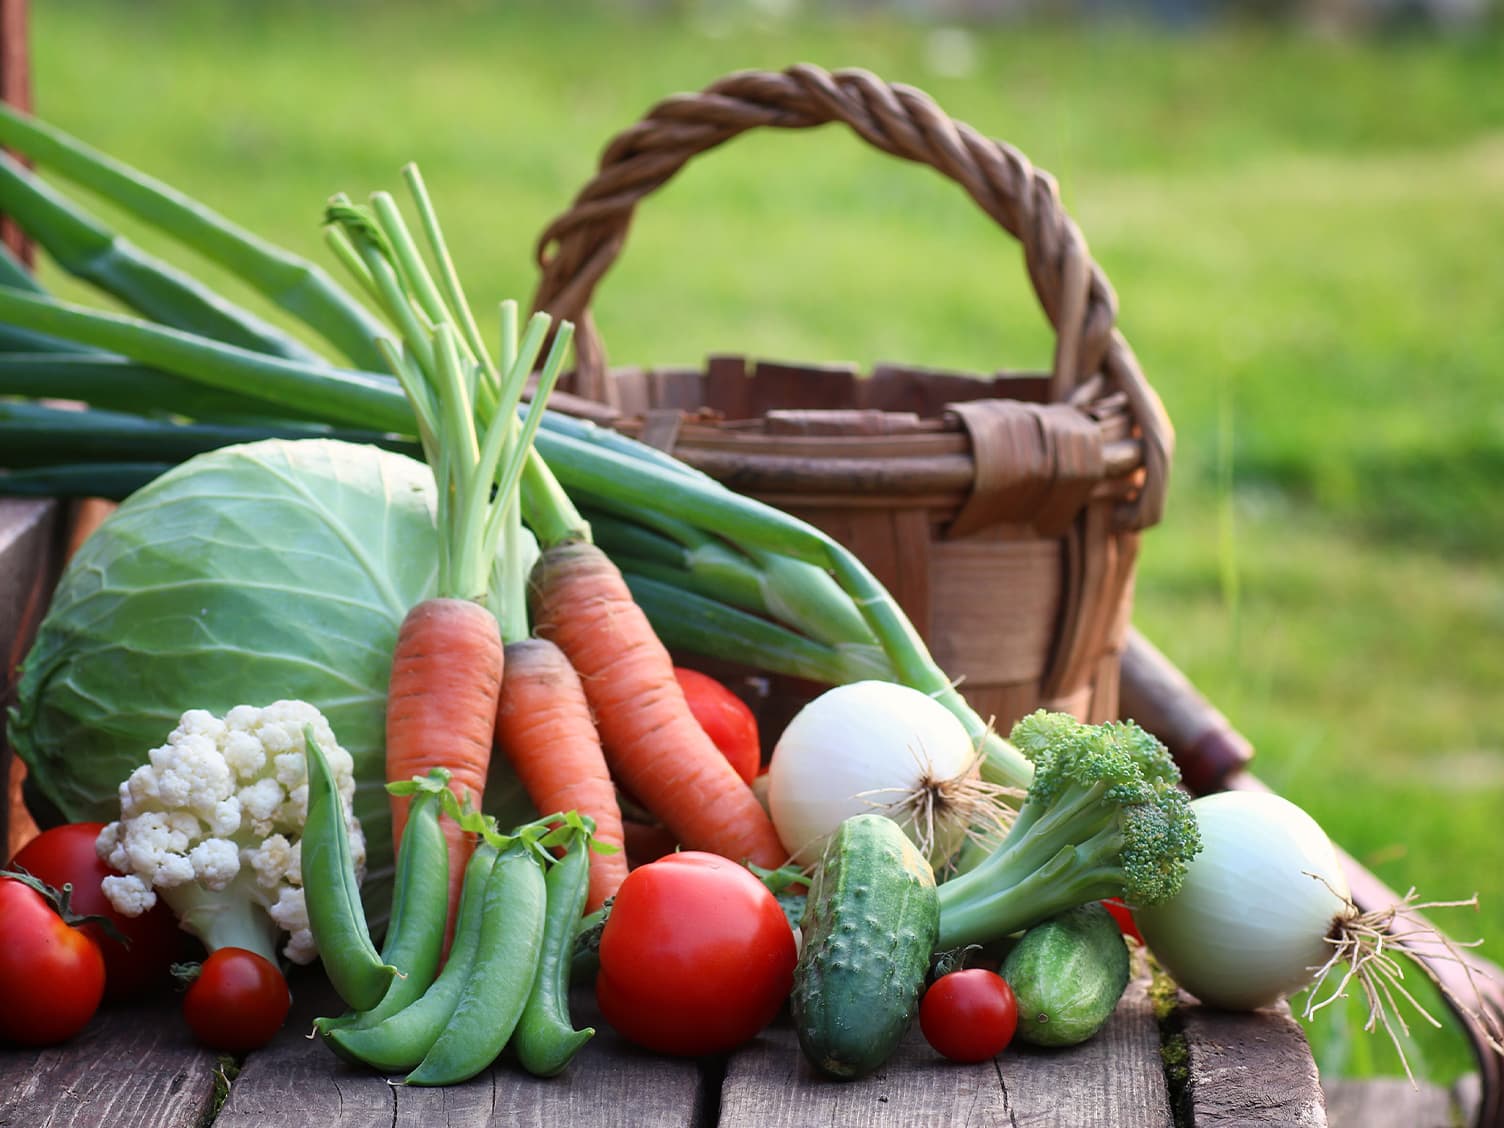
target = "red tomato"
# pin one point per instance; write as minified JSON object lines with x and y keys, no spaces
{"x":696,"y":956}
{"x":65,"y":855}
{"x":238,"y":1001}
{"x":969,"y":1015}
{"x":725,"y":718}
{"x":51,"y":974}
{"x":1124,"y":916}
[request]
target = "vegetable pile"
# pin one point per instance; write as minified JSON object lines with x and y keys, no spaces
{"x":383,"y":661}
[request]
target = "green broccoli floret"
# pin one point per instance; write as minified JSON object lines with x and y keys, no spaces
{"x":1103,"y":818}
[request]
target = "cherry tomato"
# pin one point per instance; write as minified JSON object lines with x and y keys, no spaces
{"x":969,"y":1015}
{"x":51,"y":974}
{"x":238,"y":1001}
{"x":696,"y":956}
{"x":726,"y":719}
{"x":65,"y":855}
{"x":1124,"y":916}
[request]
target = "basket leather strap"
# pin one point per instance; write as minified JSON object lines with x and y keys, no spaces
{"x":1034,"y":462}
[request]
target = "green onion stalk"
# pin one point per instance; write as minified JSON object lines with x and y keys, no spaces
{"x":762,"y":584}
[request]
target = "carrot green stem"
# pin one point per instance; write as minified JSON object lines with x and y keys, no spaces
{"x":449,"y":282}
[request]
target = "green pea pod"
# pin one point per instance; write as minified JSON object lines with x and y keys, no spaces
{"x":545,"y":1039}
{"x":420,"y":904}
{"x":400,"y":1041}
{"x":332,"y":892}
{"x":502,"y":976}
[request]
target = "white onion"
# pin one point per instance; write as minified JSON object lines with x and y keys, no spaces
{"x":871,"y":746}
{"x":1249,"y":925}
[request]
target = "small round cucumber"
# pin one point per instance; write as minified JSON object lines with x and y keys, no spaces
{"x":1068,"y":975}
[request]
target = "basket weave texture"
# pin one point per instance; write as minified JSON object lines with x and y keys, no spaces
{"x":1002,"y":511}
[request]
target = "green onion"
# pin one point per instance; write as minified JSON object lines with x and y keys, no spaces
{"x":87,"y":249}
{"x":291,"y":282}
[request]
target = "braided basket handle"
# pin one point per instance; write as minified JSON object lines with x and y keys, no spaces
{"x":579,"y":246}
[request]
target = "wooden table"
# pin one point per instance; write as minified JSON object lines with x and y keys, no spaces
{"x":139,"y":1066}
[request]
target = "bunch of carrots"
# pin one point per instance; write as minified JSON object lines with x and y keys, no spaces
{"x":571,"y":683}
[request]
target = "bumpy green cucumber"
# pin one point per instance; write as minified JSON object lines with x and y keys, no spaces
{"x":1068,"y":975}
{"x":869,"y":927}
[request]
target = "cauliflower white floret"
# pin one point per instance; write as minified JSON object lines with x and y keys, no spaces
{"x":291,"y":914}
{"x":216,"y":862}
{"x":261,"y":803}
{"x":244,"y":753}
{"x":129,"y":894}
{"x":213,"y":823}
{"x":272,"y":861}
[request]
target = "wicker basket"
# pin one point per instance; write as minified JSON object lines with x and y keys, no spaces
{"x":1002,"y":512}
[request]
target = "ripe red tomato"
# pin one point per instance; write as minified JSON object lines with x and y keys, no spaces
{"x":65,"y":855}
{"x":696,"y":956}
{"x":238,"y":1001}
{"x":969,"y":1015}
{"x":51,"y":974}
{"x":726,"y":719}
{"x":1124,"y":916}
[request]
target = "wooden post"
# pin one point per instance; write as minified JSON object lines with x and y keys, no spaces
{"x":29,"y":555}
{"x":15,"y":88}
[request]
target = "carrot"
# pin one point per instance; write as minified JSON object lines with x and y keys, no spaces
{"x":441,"y":709}
{"x":544,"y":728}
{"x":657,"y":751}
{"x":447,"y":662}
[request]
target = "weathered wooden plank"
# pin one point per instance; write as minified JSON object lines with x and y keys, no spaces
{"x":769,"y":1082}
{"x":1249,"y":1069}
{"x":1388,"y":1102}
{"x":1116,"y":1080}
{"x":129,"y":1068}
{"x":297,"y":1082}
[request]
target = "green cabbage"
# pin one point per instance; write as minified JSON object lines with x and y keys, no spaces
{"x":276,"y":569}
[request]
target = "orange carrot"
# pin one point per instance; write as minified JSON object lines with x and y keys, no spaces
{"x":657,"y":751}
{"x":544,"y":727}
{"x":441,"y":710}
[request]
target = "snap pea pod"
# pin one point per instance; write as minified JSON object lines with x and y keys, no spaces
{"x":415,"y":936}
{"x":401,"y":1040}
{"x":332,"y":893}
{"x":501,"y":977}
{"x":545,"y":1039}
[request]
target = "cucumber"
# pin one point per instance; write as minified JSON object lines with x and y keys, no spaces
{"x":1068,"y":975}
{"x":869,"y":927}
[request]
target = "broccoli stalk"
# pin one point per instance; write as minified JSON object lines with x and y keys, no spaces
{"x":1103,"y":818}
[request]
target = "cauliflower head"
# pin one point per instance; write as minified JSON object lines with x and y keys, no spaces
{"x":213,"y":824}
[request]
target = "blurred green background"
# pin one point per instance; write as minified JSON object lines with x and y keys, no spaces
{"x":1304,"y":228}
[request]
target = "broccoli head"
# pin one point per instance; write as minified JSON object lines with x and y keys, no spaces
{"x":1104,"y":817}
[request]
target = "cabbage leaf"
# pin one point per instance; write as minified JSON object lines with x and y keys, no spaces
{"x":274,"y":569}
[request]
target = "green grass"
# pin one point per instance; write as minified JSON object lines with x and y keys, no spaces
{"x":1304,"y":235}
